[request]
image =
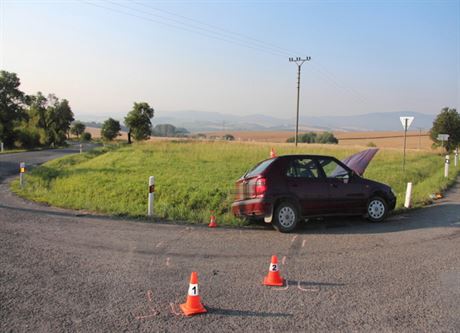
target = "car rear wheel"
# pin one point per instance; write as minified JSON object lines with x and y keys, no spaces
{"x":376,"y":209}
{"x":286,"y":217}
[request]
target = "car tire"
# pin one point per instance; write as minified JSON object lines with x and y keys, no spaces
{"x":376,"y":209}
{"x":286,"y":217}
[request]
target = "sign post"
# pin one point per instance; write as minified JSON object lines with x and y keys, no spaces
{"x":442,"y":138}
{"x":456,"y":157}
{"x":405,"y":121}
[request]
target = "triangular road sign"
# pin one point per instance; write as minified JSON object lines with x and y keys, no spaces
{"x":409,"y":121}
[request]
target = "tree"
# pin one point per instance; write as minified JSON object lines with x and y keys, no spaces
{"x":11,"y":106}
{"x":447,"y":122}
{"x":86,"y":136}
{"x":51,"y":116}
{"x":167,"y":130}
{"x":228,"y":137}
{"x":312,"y":137}
{"x":138,"y":121}
{"x":327,"y":137}
{"x":110,"y":129}
{"x":77,"y":128}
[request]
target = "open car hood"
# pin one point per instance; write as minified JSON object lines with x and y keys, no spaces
{"x":359,"y":161}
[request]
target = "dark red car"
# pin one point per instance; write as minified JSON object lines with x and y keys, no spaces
{"x":285,"y":189}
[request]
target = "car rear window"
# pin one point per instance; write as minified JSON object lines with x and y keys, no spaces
{"x":259,"y":168}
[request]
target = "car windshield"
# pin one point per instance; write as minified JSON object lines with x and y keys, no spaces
{"x":259,"y":168}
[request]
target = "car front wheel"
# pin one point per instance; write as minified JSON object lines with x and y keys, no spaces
{"x":286,"y":217}
{"x":376,"y":209}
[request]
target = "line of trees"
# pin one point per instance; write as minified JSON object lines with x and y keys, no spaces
{"x":31,"y":120}
{"x":313,"y":137}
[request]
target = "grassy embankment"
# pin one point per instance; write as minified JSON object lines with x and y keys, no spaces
{"x":193,"y":178}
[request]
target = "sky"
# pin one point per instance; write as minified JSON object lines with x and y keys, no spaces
{"x":232,"y":56}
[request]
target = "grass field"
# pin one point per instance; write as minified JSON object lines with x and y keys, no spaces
{"x":193,"y":178}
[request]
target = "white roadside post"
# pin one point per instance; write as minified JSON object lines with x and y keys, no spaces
{"x":456,"y":157}
{"x":151,"y":195}
{"x":446,"y":166}
{"x":22,"y":171}
{"x":1,"y":147}
{"x":408,"y":195}
{"x":81,"y":148}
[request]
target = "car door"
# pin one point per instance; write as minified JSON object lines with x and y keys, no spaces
{"x":347,"y":193}
{"x":307,"y":184}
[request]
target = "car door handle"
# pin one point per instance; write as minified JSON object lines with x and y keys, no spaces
{"x":334,"y":185}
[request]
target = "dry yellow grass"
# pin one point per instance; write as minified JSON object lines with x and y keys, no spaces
{"x":387,"y":139}
{"x":382,"y":139}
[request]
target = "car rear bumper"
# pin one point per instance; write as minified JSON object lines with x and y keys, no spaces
{"x":252,"y":208}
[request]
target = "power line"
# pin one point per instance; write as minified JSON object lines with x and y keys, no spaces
{"x":189,"y":29}
{"x":226,"y":36}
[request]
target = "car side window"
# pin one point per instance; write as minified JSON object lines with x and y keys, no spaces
{"x":302,"y":168}
{"x":333,"y":170}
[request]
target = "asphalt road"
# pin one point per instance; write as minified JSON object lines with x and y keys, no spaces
{"x":60,"y":271}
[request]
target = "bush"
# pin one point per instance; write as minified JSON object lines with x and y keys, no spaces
{"x":371,"y":144}
{"x":312,"y":137}
{"x":86,"y":136}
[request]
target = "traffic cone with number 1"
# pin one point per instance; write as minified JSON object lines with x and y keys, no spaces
{"x":193,"y":304}
{"x":274,"y":278}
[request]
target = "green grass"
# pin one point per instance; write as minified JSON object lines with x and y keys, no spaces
{"x":193,"y":178}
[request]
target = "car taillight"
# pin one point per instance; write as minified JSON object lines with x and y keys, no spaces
{"x":260,"y":187}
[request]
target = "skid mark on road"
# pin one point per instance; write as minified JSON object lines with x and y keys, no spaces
{"x":173,"y":309}
{"x":315,"y":288}
{"x":152,"y":311}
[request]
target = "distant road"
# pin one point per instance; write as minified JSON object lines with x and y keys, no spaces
{"x":9,"y":163}
{"x":62,"y":270}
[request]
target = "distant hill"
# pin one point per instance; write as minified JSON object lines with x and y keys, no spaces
{"x":197,"y":121}
{"x":200,"y":121}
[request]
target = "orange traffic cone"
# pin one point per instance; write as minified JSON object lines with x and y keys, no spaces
{"x":193,"y":304}
{"x":212,"y":223}
{"x":273,"y":278}
{"x":272,"y":153}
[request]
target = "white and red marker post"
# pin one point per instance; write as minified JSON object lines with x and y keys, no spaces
{"x":22,"y":171}
{"x":151,"y":195}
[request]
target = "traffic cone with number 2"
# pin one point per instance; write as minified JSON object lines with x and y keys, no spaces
{"x":274,"y":278}
{"x":193,"y":304}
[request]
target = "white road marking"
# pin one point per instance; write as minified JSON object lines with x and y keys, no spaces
{"x":159,"y":244}
{"x":303,"y":242}
{"x":283,"y":261}
{"x":293,"y":239}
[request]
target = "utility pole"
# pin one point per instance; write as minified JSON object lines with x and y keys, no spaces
{"x":299,"y":62}
{"x":420,"y":138}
